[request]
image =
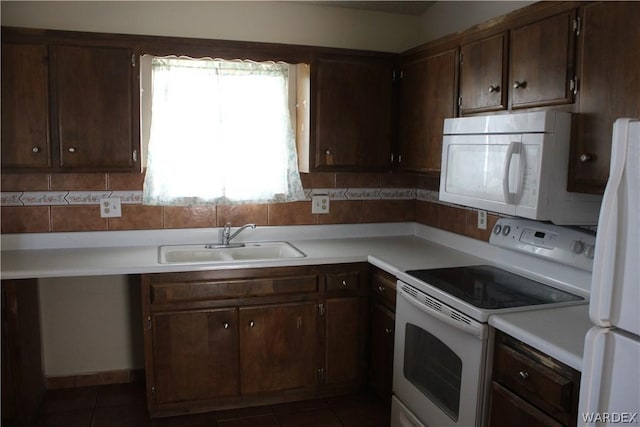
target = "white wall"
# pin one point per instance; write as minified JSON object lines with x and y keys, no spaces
{"x":262,"y":21}
{"x":91,"y":324}
{"x":446,"y":17}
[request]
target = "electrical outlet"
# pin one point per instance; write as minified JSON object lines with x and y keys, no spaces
{"x":110,"y":207}
{"x":482,"y":220}
{"x":320,"y":204}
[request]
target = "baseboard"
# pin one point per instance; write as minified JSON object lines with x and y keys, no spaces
{"x":94,"y":379}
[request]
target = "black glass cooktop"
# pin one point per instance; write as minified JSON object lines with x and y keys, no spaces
{"x":491,"y":288}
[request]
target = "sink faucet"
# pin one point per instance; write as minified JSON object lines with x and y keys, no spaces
{"x":226,"y":232}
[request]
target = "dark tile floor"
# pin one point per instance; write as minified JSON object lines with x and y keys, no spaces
{"x":124,"y":405}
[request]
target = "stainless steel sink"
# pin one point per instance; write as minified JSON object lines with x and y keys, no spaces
{"x":210,"y":254}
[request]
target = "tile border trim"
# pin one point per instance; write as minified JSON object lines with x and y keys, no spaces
{"x":134,"y":197}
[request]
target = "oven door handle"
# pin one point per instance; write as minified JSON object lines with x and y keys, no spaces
{"x":446,"y":315}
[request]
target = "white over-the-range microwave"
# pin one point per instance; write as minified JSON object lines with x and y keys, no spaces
{"x":514,"y":164}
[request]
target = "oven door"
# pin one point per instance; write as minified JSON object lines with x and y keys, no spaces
{"x":439,"y":361}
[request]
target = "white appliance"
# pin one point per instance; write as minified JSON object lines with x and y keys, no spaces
{"x":610,"y":383}
{"x":442,"y":336}
{"x":514,"y":164}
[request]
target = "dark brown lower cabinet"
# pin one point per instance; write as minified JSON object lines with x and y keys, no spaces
{"x":248,"y":337}
{"x":23,"y":383}
{"x":530,"y":388}
{"x":383,"y":320}
{"x":195,"y":355}
{"x":342,"y":351}
{"x":278,"y":347}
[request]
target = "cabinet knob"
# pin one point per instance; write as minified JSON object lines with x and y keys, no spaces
{"x":344,"y":283}
{"x":252,"y":323}
{"x":524,"y":375}
{"x":494,"y":89}
{"x":35,"y":149}
{"x":584,"y":157}
{"x":72,"y":149}
{"x":327,"y":152}
{"x":388,"y":330}
{"x":225,"y":325}
{"x":519,"y":85}
{"x":380,"y":288}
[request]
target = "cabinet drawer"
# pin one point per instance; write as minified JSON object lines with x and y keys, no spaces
{"x":343,"y":281}
{"x":507,"y":409}
{"x":383,"y":289}
{"x":212,"y":290}
{"x":534,"y":382}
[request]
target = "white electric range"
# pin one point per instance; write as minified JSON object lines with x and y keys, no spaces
{"x":442,"y":334}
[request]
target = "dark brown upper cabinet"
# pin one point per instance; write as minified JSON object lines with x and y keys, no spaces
{"x":67,"y":106}
{"x":483,"y":75}
{"x":351,"y":113}
{"x":542,"y":62}
{"x":94,"y":107}
{"x":609,"y":67}
{"x":26,"y":140}
{"x":428,"y":95}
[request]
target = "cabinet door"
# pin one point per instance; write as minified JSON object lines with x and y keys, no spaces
{"x":278,"y":347}
{"x":542,"y":58}
{"x":382,"y":335}
{"x":95,"y":107}
{"x":344,"y":336}
{"x":25,"y":106}
{"x":428,"y":97}
{"x":483,"y":72}
{"x":353,"y":114}
{"x":195,"y":355}
{"x":609,"y":88}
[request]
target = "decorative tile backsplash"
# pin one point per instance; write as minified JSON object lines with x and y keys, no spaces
{"x":134,"y":197}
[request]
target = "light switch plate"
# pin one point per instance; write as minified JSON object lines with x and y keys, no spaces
{"x":320,"y":204}
{"x":110,"y":207}
{"x":482,"y":220}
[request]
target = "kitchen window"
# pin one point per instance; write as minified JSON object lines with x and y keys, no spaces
{"x":220,"y":132}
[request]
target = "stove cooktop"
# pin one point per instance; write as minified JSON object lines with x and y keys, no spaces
{"x":492,"y":288}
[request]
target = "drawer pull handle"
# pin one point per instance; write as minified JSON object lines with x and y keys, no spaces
{"x":524,"y":375}
{"x":381,"y":289}
{"x":225,"y":325}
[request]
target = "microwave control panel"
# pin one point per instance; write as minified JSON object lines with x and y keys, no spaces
{"x":571,"y":246}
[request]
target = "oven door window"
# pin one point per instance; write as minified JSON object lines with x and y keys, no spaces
{"x":433,"y":368}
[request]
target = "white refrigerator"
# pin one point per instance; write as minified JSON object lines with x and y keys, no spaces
{"x":610,"y":383}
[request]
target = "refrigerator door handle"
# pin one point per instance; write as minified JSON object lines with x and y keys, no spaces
{"x":604,"y":266}
{"x":592,"y":371}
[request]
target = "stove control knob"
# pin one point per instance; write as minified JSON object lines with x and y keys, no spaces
{"x":590,"y":251}
{"x":506,"y":230}
{"x":577,"y":247}
{"x":497,"y":229}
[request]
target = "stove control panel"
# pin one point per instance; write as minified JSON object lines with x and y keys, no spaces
{"x":566,"y":245}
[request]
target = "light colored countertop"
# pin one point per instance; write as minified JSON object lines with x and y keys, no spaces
{"x":558,"y":332}
{"x":393,"y":247}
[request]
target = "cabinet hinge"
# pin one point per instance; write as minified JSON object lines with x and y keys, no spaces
{"x":133,"y":60}
{"x":399,"y":158}
{"x":461,"y":58}
{"x":576,"y":26}
{"x":149,"y":322}
{"x":574,"y":85}
{"x":321,"y":309}
{"x":392,"y":156}
{"x":459,"y":101}
{"x":135,"y":156}
{"x":321,"y":375}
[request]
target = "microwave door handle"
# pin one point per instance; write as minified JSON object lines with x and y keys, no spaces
{"x":514,"y":148}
